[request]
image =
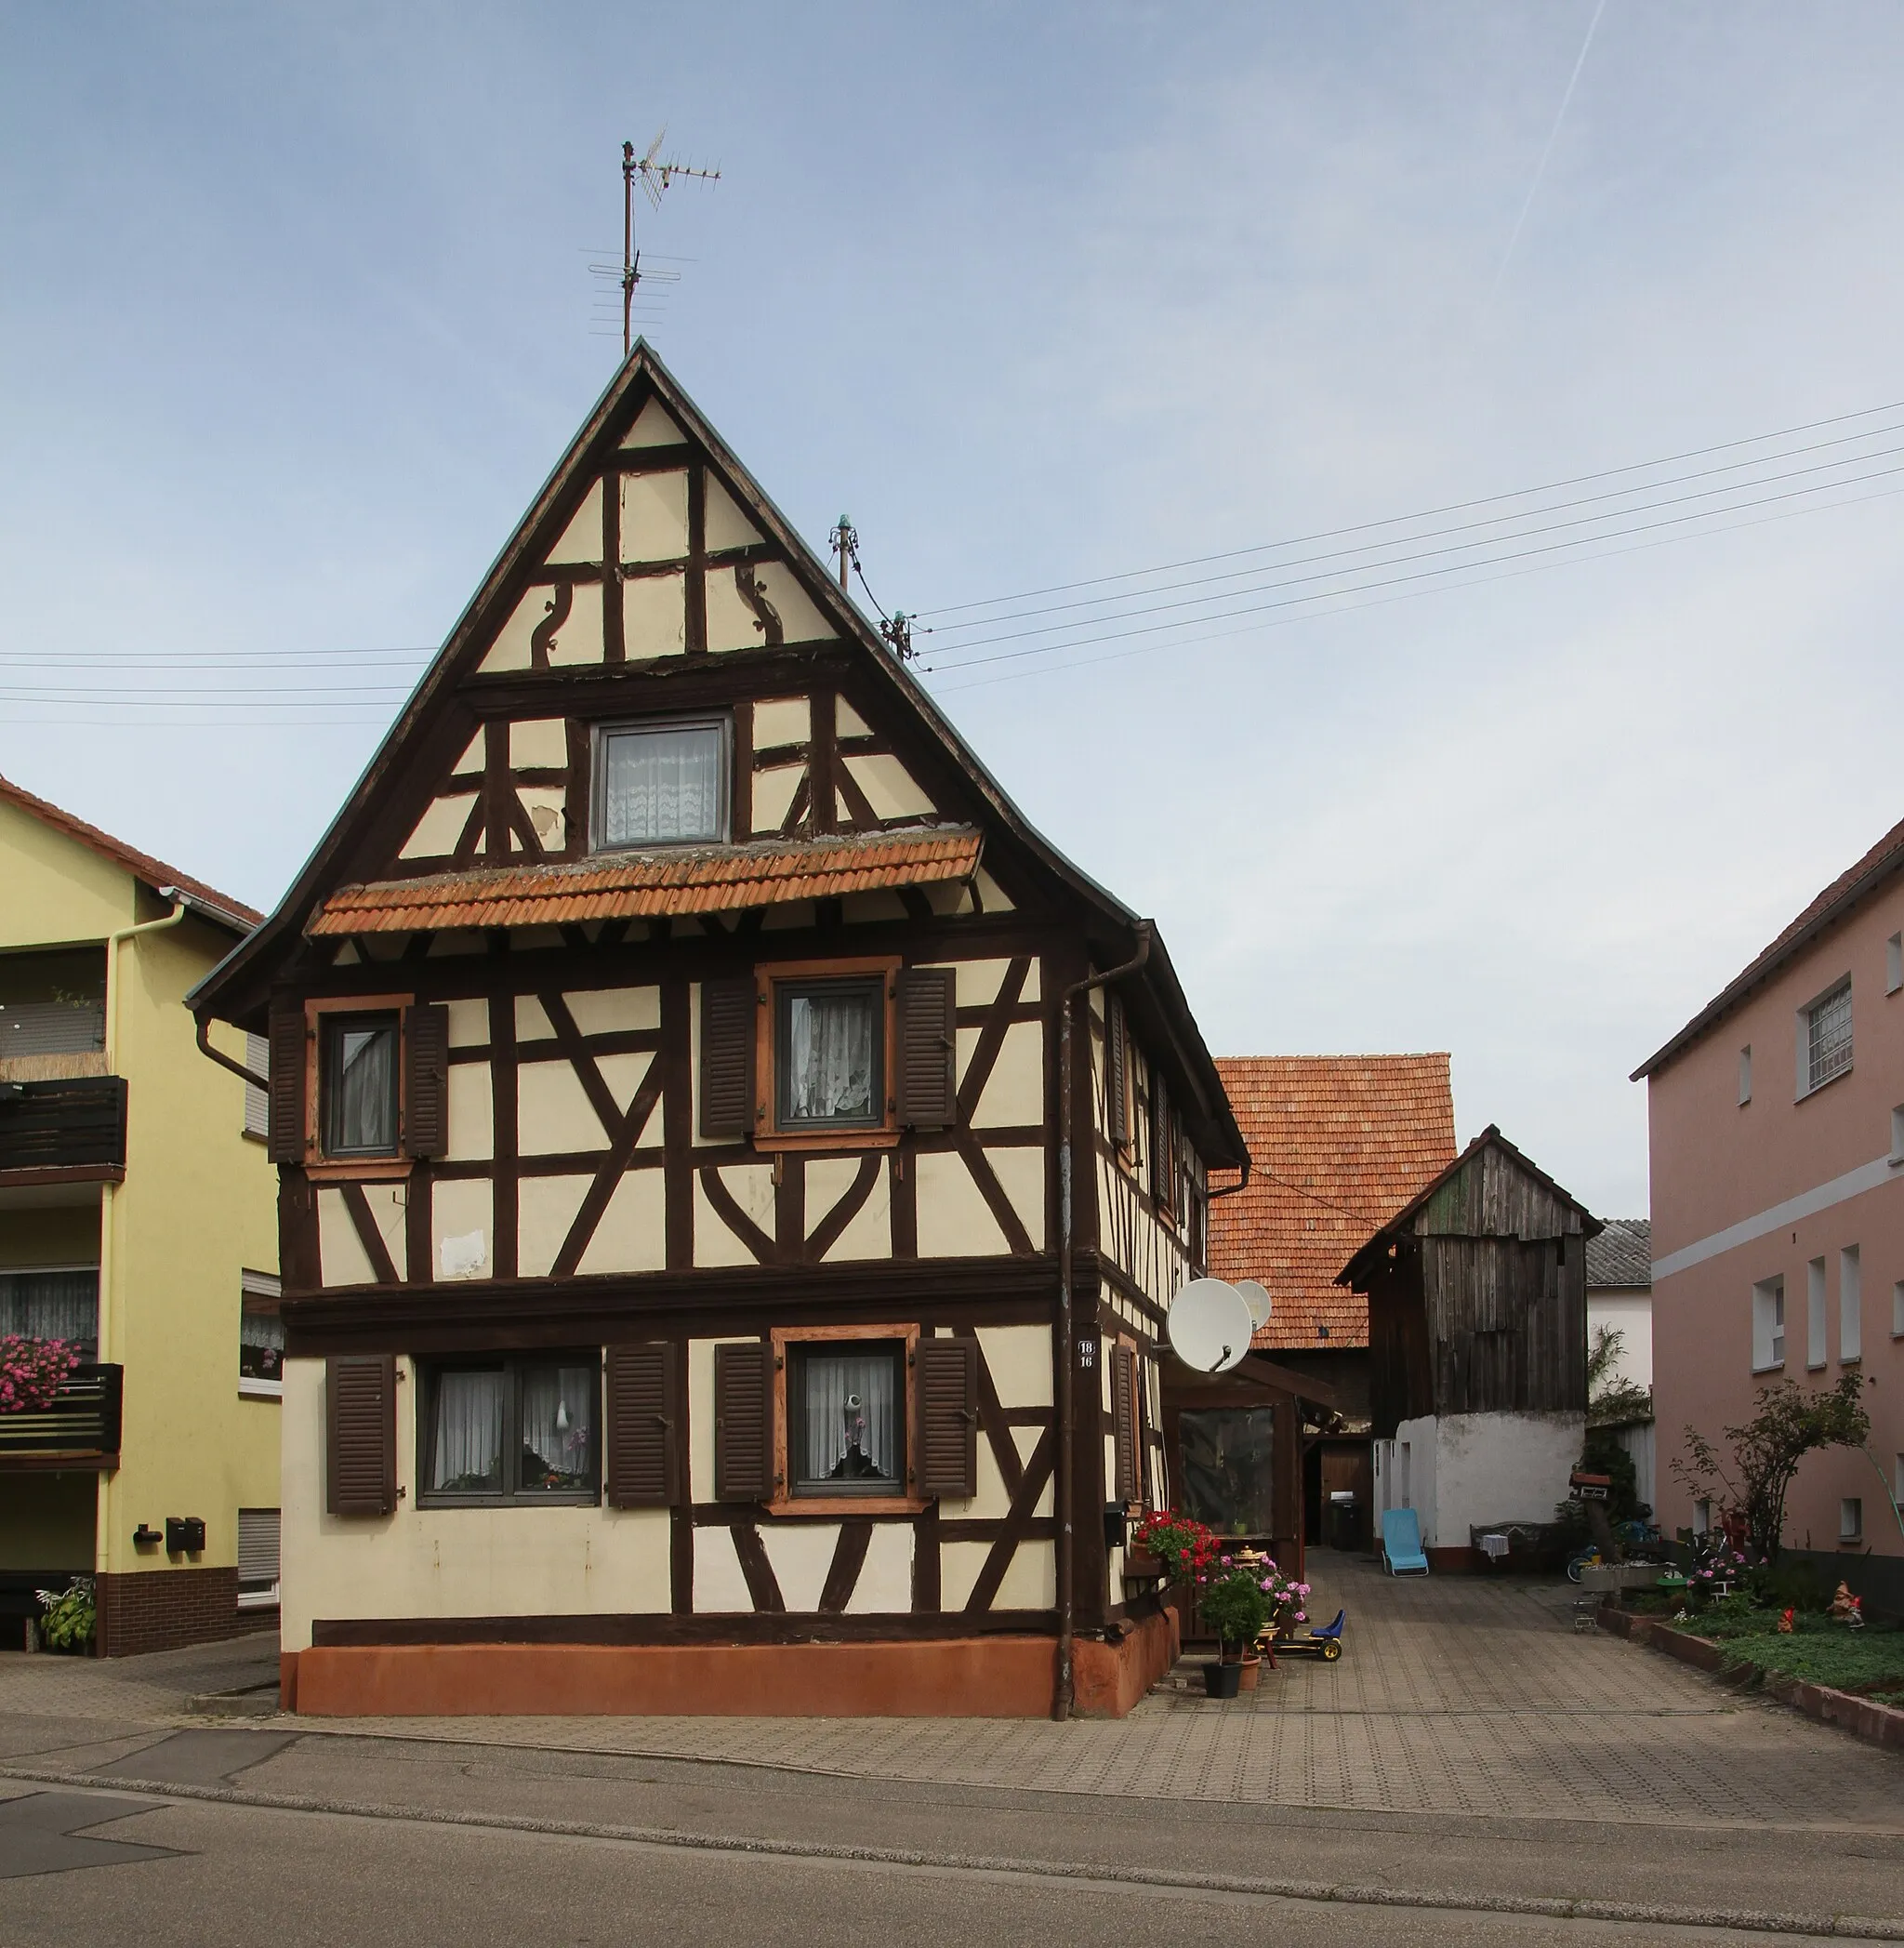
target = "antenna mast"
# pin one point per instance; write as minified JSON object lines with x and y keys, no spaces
{"x":655,"y":177}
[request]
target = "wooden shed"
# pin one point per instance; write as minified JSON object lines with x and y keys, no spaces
{"x":1477,"y":1342}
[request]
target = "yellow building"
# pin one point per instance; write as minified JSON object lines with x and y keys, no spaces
{"x":138,"y":1225}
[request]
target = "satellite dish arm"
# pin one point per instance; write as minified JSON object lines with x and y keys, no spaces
{"x":1067,"y":1558}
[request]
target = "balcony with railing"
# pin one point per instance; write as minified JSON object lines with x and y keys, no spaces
{"x":79,"y":1429}
{"x":69,"y":1131}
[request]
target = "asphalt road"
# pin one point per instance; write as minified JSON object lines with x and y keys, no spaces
{"x":233,"y":1837}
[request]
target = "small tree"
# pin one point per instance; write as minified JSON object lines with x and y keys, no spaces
{"x":1612,"y":1400}
{"x":1790,"y":1423}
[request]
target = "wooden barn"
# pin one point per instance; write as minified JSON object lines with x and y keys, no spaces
{"x":733,"y":1170}
{"x":1477,"y":1345}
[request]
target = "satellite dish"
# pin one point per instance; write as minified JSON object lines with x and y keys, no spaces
{"x":1258,"y":1296}
{"x":1210,"y":1325}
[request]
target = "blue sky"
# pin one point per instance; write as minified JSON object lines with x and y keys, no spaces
{"x":297,"y":314}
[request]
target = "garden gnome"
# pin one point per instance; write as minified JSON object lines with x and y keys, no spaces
{"x":1847,"y":1608}
{"x":1785,"y":1624}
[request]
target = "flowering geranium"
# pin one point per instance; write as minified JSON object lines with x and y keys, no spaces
{"x":32,"y":1372}
{"x":1182,"y":1543}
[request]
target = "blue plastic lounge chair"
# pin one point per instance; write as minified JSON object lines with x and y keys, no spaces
{"x":1401,"y":1543}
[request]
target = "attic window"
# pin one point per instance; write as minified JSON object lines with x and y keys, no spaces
{"x":661,"y":783}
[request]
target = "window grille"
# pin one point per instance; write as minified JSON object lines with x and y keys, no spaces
{"x":1828,"y":1037}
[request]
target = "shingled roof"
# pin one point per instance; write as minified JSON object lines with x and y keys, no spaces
{"x":1338,"y":1144}
{"x":1622,"y":1254}
{"x":1837,"y":900}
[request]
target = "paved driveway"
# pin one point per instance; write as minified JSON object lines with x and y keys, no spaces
{"x":1456,"y":1695}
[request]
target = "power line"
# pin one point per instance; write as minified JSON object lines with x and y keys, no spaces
{"x":1383,"y":601}
{"x":1455,"y":507}
{"x":1469,"y":526}
{"x":1419,"y":575}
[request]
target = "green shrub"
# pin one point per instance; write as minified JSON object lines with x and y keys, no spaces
{"x":1797,"y":1584}
{"x":1235,"y":1606}
{"x":68,"y":1616}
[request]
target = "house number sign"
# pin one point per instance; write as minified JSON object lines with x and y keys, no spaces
{"x":1087,"y":1353}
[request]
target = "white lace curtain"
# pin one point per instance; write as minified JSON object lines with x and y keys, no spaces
{"x":661,"y":785}
{"x":850,"y":1416}
{"x":558,"y":1425}
{"x":830,"y":1057}
{"x":468,"y":1433}
{"x":53,"y":1305}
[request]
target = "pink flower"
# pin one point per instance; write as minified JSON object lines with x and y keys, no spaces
{"x":1265,"y":1583}
{"x":1302,"y":1589}
{"x":1302,"y":1616}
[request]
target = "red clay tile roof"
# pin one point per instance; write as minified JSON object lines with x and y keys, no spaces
{"x":652,"y":885}
{"x":153,"y":873}
{"x":1884,"y":858}
{"x":1338,"y":1144}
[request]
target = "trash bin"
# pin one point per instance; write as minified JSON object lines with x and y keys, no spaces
{"x":1345,"y":1520}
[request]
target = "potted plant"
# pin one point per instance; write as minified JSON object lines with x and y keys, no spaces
{"x":31,"y":1372}
{"x":1180,"y":1544}
{"x":1236,"y":1606}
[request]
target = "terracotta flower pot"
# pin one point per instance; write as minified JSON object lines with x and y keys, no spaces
{"x":1251,"y":1669}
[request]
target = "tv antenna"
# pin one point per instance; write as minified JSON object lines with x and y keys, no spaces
{"x":654,"y":177}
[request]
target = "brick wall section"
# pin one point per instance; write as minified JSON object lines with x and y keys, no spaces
{"x":161,"y":1610}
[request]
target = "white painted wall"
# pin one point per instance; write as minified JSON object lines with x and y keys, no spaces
{"x":1464,"y":1469}
{"x":1630,"y":1312}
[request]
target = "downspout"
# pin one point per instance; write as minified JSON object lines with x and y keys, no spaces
{"x":1068,"y":1593}
{"x":102,"y":1525}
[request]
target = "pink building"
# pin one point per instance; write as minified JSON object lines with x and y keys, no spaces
{"x":1778,"y":1179}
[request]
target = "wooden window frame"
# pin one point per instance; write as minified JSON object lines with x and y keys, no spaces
{"x":599,"y":734}
{"x":768,"y":1135}
{"x":317,"y":1167}
{"x":785,"y":1502}
{"x":428,"y":1372}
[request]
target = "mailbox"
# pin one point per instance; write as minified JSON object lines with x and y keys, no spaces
{"x":184,"y":1534}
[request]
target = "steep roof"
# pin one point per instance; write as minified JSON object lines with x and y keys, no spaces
{"x":1489,"y":1138}
{"x":1340,"y":1144}
{"x":206,"y":900}
{"x":1884,"y":859}
{"x":1622,"y":1254}
{"x":236,"y":989}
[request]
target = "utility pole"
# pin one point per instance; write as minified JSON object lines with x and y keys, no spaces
{"x":655,"y":177}
{"x":844,"y":542}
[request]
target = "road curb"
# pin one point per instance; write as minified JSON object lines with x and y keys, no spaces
{"x":1841,"y":1927}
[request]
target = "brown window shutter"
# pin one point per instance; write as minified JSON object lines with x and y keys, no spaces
{"x":1124,"y":1421}
{"x":360,"y":1414}
{"x":284,"y":1135}
{"x":927,"y":1088}
{"x":1163,"y":1163}
{"x":427,"y":1082}
{"x":642,"y":1419}
{"x":728,"y":1009}
{"x":1116,"y":1107}
{"x":945,"y":1406}
{"x":743,"y":1423}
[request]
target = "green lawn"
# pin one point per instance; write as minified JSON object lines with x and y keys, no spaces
{"x":1818,"y":1650}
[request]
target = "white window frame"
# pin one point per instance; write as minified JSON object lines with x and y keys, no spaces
{"x":1808,"y":1016}
{"x":1850,"y":1518}
{"x":1850,"y":1307}
{"x":1818,"y":1336}
{"x":1768,"y":1325}
{"x":257,"y":1285}
{"x":598,"y":779}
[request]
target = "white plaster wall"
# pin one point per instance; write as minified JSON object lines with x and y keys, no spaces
{"x":654,"y":616}
{"x":462,"y":1208}
{"x":1411,"y":1474}
{"x":652,"y":426}
{"x":719,"y":1584}
{"x":341,"y":1259}
{"x":631,"y":1236}
{"x":801,"y":1553}
{"x":889,"y":789}
{"x":1019,"y":1359}
{"x":554,"y":1115}
{"x":782,"y":720}
{"x":471,"y":1123}
{"x":1014,"y":1091}
{"x":654,"y":517}
{"x":579,"y":638}
{"x":447,"y":1562}
{"x":885,"y":1585}
{"x":439,"y":828}
{"x":1631,"y":1313}
{"x":581,"y":539}
{"x":546,"y":1209}
{"x":774,"y":791}
{"x":538,"y":743}
{"x":1496,"y":1467}
{"x":954,"y":1219}
{"x":609,"y":1011}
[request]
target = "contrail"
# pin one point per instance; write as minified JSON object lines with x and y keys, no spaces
{"x":1533,"y":188}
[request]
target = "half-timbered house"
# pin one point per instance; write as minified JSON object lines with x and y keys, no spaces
{"x":733,"y":1170}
